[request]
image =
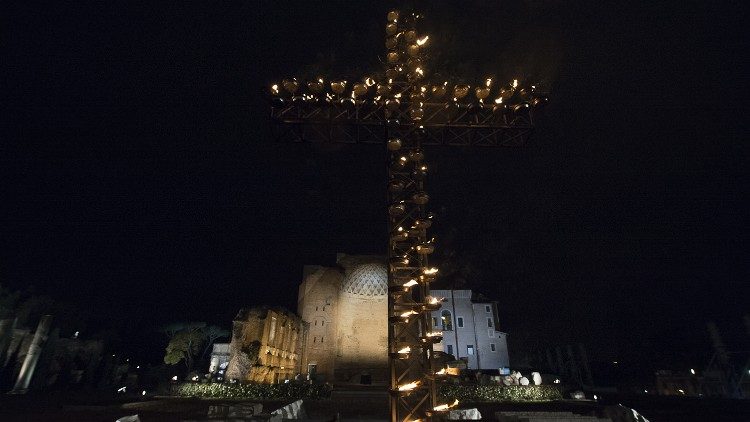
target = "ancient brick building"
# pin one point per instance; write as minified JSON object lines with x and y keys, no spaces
{"x":266,"y":345}
{"x":346,"y":309}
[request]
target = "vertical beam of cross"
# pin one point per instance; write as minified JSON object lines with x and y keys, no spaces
{"x":410,"y":336}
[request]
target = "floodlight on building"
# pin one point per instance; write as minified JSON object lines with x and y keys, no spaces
{"x":692,"y":371}
{"x":275,"y":89}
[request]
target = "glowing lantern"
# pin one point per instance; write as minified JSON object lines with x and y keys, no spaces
{"x":394,"y":144}
{"x":393,"y":104}
{"x":413,"y":63}
{"x":393,"y":15}
{"x":338,"y":87}
{"x":395,"y":186}
{"x":416,"y":113}
{"x":425,"y":248}
{"x":438,"y":91}
{"x":391,"y":29}
{"x":291,"y":85}
{"x":460,"y":91}
{"x":391,"y":42}
{"x":422,"y":224}
{"x":410,"y":36}
{"x":416,"y":154}
{"x":391,"y":73}
{"x":393,"y":57}
{"x":505,"y":93}
{"x":383,"y":89}
{"x":517,"y":108}
{"x":396,"y":210}
{"x":359,"y":90}
{"x":315,"y":87}
{"x":420,"y":198}
{"x":413,"y":50}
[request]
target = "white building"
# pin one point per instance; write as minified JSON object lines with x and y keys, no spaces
{"x":470,"y":330}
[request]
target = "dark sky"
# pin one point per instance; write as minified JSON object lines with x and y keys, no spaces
{"x":140,"y":181}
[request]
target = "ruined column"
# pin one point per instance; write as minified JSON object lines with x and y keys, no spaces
{"x":32,"y":357}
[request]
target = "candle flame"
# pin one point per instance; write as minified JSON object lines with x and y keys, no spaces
{"x":408,"y":387}
{"x":410,"y":283}
{"x":444,"y":407}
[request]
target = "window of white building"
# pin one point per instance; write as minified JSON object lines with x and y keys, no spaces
{"x":492,"y":346}
{"x":449,"y":349}
{"x":447,"y":320}
{"x":487,"y":308}
{"x":470,"y":349}
{"x":460,"y":322}
{"x":489,"y":322}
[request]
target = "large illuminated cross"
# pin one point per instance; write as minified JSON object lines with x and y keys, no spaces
{"x":404,"y":109}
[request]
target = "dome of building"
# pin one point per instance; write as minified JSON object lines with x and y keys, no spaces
{"x":367,"y":280}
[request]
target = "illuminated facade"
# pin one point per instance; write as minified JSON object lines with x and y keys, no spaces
{"x":266,"y":345}
{"x":345,"y":309}
{"x":470,"y":330}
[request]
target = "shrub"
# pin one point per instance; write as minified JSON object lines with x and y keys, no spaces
{"x":498,"y":393}
{"x":287,"y":391}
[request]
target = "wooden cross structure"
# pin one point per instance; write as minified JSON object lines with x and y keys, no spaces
{"x":404,"y":109}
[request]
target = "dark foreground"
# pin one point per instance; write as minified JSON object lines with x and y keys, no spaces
{"x":353,"y":404}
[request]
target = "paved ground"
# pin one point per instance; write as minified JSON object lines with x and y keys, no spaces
{"x":350,"y":404}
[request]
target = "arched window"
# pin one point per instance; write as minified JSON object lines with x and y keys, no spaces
{"x":447,"y":320}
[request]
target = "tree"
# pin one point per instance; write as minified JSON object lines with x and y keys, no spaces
{"x":190,"y":340}
{"x":211,"y":333}
{"x":184,"y":346}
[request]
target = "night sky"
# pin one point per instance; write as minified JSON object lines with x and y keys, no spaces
{"x":140,"y":181}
